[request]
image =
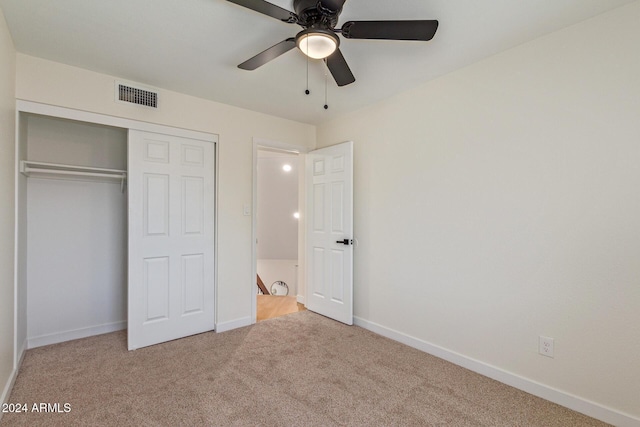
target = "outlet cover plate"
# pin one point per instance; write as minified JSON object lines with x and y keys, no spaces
{"x":545,"y":346}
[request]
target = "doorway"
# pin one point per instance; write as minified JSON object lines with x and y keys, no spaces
{"x":325,"y":190}
{"x":278,"y":231}
{"x":277,"y":217}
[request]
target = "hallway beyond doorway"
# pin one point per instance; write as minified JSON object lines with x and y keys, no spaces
{"x":271,"y":306}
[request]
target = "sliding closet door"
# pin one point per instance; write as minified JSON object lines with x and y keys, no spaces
{"x":171,"y":241}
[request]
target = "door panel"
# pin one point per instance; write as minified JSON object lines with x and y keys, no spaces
{"x":337,"y":208}
{"x":317,"y":275}
{"x":156,"y":282}
{"x":192,"y":283}
{"x":318,"y":207}
{"x":329,"y":178}
{"x":337,"y":279}
{"x":171,"y":240}
{"x":156,"y":151}
{"x":192,"y":205}
{"x":156,"y":204}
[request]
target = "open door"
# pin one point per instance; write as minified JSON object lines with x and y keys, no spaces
{"x":329,"y":182}
{"x":171,"y":238}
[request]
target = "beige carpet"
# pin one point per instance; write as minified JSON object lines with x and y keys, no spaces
{"x":298,"y":370}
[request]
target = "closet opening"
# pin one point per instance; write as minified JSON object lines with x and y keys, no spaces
{"x":115,"y":228}
{"x":72,"y":220}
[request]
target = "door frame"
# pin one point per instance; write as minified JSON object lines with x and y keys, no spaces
{"x":261,"y":143}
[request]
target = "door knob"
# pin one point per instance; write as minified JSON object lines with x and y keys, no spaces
{"x":345,"y":242}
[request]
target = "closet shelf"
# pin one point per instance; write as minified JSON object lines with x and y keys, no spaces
{"x":56,"y":170}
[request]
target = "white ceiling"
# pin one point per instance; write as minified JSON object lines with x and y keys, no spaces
{"x":194,"y":46}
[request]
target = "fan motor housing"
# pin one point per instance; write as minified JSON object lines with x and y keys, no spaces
{"x":312,"y":14}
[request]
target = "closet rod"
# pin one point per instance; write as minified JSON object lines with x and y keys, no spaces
{"x":59,"y":166}
{"x":74,"y":173}
{"x":27,"y":167}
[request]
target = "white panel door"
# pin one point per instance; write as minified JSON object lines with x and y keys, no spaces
{"x":329,"y":188}
{"x":171,"y":238}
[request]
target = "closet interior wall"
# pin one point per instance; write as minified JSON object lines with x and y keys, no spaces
{"x":75,"y":246}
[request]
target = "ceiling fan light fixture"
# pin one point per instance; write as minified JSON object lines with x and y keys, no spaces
{"x":317,"y":44}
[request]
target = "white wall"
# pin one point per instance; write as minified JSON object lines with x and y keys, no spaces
{"x":76,"y":234}
{"x":277,"y":202}
{"x":501,"y":202}
{"x":285,"y":270}
{"x":54,"y":83}
{"x":75,"y":143}
{"x":7,"y":205}
{"x":77,"y":240}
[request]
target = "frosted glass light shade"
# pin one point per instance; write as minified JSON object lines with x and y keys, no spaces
{"x":317,"y":45}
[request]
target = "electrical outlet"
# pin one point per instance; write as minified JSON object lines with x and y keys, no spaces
{"x":545,"y":346}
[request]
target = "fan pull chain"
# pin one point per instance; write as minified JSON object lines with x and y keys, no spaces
{"x":307,"y":91}
{"x":326,"y":79}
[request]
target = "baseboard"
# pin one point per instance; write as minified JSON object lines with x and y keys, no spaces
{"x":6,"y":392}
{"x":551,"y":394}
{"x":20,"y":354}
{"x":75,"y":334}
{"x":300,"y":299}
{"x":233,"y":324}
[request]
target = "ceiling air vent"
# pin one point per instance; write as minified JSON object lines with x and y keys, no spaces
{"x":136,"y":95}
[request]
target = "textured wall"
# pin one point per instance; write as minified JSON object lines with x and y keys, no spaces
{"x":501,"y":202}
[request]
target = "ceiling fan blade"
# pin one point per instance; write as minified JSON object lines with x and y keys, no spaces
{"x":268,"y":55}
{"x":340,"y":69}
{"x":332,"y":5}
{"x":390,"y":30}
{"x":268,"y":9}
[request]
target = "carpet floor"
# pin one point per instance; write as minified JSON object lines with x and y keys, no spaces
{"x":298,"y":370}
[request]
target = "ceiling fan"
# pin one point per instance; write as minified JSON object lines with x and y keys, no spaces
{"x":319,"y":38}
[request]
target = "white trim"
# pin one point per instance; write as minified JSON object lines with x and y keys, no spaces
{"x":254,"y":234}
{"x":21,"y":351}
{"x":280,"y":146}
{"x":234,"y":324}
{"x":216,"y":230}
{"x":551,"y":394}
{"x":16,"y":239}
{"x":11,"y":382}
{"x":75,"y":334}
{"x":23,"y":106}
{"x":300,"y":299}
